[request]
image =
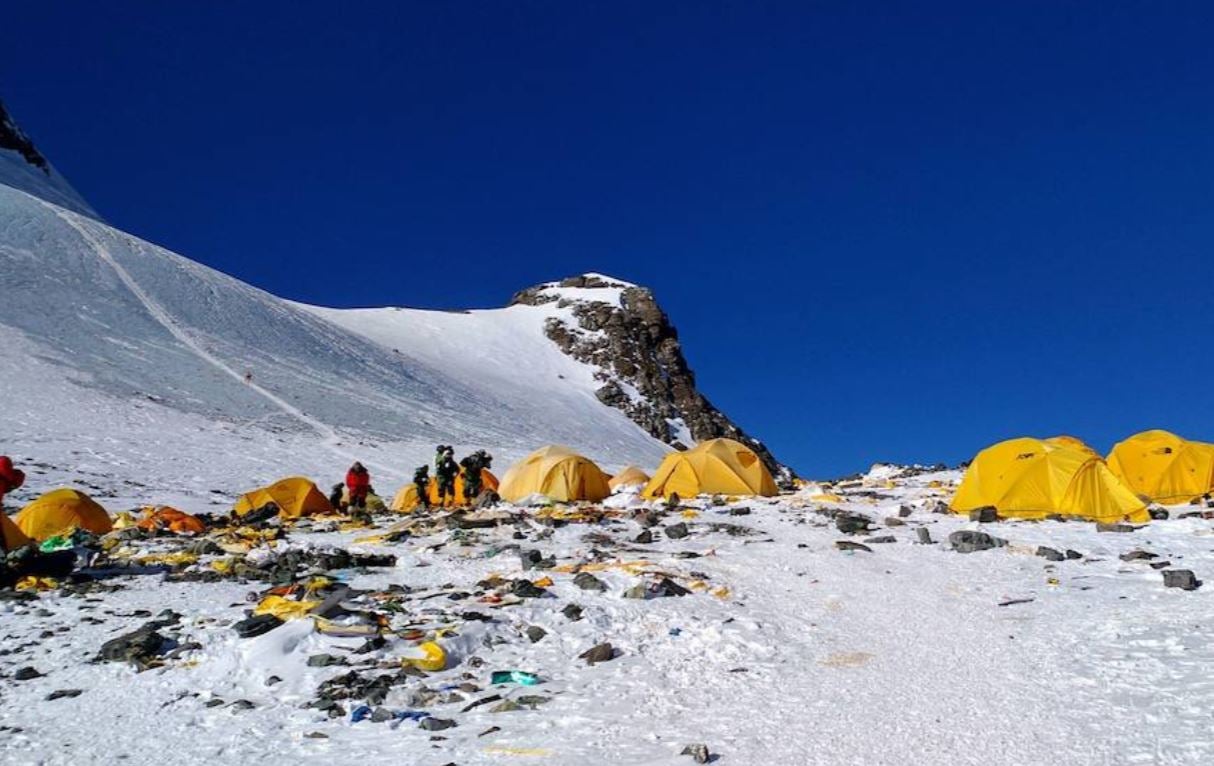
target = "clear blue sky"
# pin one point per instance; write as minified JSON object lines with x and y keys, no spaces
{"x":893,"y":231}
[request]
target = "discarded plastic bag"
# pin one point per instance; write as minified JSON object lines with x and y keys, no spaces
{"x":521,"y":677}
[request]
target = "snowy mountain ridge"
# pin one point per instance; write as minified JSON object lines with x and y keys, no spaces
{"x":219,"y":382}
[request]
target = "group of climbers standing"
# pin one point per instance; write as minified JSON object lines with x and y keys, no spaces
{"x":353,"y":493}
{"x":446,"y":470}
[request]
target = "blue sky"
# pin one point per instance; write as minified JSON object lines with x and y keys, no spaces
{"x":886,"y":231}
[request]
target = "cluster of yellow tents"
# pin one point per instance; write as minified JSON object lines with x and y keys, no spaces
{"x":718,"y":466}
{"x":1034,"y":478}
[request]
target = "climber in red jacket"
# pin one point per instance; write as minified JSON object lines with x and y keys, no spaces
{"x":358,"y":481}
{"x":10,"y":478}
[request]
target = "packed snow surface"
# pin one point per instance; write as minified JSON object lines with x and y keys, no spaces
{"x":787,"y":650}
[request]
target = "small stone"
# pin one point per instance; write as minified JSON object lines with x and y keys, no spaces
{"x":894,"y":521}
{"x":851,"y":523}
{"x":985,"y":514}
{"x":645,"y":537}
{"x":505,"y":706}
{"x":316,"y":735}
{"x":273,"y":681}
{"x":677,"y":531}
{"x":1180,"y":578}
{"x":213,"y":702}
{"x":598,"y":653}
{"x":905,"y":510}
{"x":1104,"y":527}
{"x":573,"y":612}
{"x":256,"y":625}
{"x":1138,"y":555}
{"x":587,"y":581}
{"x":381,"y":714}
{"x":1158,"y":514}
{"x":490,"y":730}
{"x":739,"y":511}
{"x":1050,"y":554}
{"x":969,"y":541}
{"x":324,"y":661}
{"x":637,"y":591}
{"x":61,"y":693}
{"x":533,"y":559}
{"x":1160,"y":564}
{"x":1073,"y":554}
{"x":668,"y":587}
{"x":436,"y":724}
{"x":924,"y":535}
{"x":242,"y":705}
{"x":527,"y":589}
{"x":26,"y":674}
{"x":698,"y":752}
{"x":535,"y":633}
{"x":881,"y":540}
{"x":848,"y":545}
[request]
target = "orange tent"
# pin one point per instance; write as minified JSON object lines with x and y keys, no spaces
{"x":175,"y":521}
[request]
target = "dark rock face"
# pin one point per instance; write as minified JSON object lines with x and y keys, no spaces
{"x":12,"y":138}
{"x":635,"y":346}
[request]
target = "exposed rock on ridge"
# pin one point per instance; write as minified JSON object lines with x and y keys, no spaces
{"x":620,"y":329}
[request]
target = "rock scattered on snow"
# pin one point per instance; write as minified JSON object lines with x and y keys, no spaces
{"x":1180,"y":578}
{"x":969,"y":541}
{"x":1050,"y":554}
{"x":848,"y":545}
{"x":598,"y":653}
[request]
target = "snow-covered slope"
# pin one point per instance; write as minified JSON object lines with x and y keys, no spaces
{"x":130,"y":321}
{"x":110,"y":338}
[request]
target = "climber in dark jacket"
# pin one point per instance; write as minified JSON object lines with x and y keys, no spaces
{"x":421,"y":480}
{"x":473,"y":465}
{"x":445,"y":471}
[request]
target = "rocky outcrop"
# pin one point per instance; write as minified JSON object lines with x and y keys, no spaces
{"x":12,"y":138}
{"x":620,"y":329}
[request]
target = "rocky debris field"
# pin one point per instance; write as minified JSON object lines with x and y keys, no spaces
{"x":861,"y":627}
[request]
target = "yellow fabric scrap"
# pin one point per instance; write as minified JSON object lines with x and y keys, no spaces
{"x":631,"y":567}
{"x":180,"y":558}
{"x":433,"y":658}
{"x":284,"y":608}
{"x":540,"y":752}
{"x":36,"y":583}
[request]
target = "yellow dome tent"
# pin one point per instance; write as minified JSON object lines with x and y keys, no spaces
{"x":556,"y":472}
{"x":406,"y":499}
{"x":11,"y":536}
{"x":1033,"y":478}
{"x":1073,"y":442}
{"x":1163,"y":467}
{"x":629,"y":477}
{"x":717,"y":466}
{"x":60,"y":512}
{"x":295,"y":496}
